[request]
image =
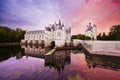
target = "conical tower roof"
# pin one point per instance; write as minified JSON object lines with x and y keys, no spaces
{"x":94,"y":25}
{"x":59,"y":22}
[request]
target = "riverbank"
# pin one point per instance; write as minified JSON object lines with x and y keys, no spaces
{"x":9,"y":44}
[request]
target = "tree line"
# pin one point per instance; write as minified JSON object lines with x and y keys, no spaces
{"x":81,"y":37}
{"x":11,"y":35}
{"x":114,"y":34}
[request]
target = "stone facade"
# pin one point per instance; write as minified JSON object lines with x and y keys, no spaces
{"x":91,"y":31}
{"x":57,"y":32}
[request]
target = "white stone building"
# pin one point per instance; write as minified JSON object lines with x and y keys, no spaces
{"x":91,"y":31}
{"x":55,"y":32}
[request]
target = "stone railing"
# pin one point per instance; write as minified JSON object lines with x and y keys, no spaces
{"x":103,"y":45}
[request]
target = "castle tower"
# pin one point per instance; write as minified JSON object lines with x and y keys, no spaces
{"x":89,"y":30}
{"x":59,"y":22}
{"x":95,"y":32}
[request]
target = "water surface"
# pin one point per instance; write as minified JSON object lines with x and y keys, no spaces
{"x":31,"y":64}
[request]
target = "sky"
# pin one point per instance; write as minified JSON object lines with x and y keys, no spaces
{"x":37,"y":14}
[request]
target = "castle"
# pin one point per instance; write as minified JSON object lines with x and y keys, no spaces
{"x":91,"y":31}
{"x":57,"y":32}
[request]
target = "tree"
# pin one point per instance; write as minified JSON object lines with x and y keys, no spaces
{"x":81,"y":37}
{"x":99,"y":37}
{"x":104,"y":36}
{"x":114,"y":32}
{"x":74,"y":37}
{"x":11,"y":35}
{"x":87,"y":38}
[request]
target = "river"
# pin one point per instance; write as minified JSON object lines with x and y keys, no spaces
{"x":30,"y":63}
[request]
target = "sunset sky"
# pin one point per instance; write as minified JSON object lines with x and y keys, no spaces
{"x":36,"y":14}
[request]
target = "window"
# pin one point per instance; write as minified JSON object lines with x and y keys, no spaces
{"x":58,"y":34}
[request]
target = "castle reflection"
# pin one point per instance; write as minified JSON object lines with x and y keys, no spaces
{"x":60,"y":58}
{"x":35,"y":51}
{"x":57,"y":60}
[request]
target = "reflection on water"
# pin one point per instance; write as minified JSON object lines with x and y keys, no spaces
{"x":58,"y":61}
{"x":10,"y":51}
{"x":108,"y":62}
{"x":30,"y":62}
{"x":35,"y":51}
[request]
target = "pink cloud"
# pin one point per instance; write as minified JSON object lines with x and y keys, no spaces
{"x":103,"y":13}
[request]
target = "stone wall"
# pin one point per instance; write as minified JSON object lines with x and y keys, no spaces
{"x":76,"y":42}
{"x":101,"y":47}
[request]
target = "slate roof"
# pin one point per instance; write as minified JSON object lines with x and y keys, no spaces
{"x":89,"y":28}
{"x":36,"y":31}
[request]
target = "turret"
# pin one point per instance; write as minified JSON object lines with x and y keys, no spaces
{"x":59,"y":22}
{"x":95,"y":32}
{"x":94,"y":25}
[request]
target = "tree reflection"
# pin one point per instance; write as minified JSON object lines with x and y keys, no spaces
{"x":103,"y":61}
{"x":10,"y":51}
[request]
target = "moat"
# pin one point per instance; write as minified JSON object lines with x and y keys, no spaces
{"x":30,"y":63}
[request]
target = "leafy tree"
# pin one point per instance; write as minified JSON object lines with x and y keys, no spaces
{"x":117,"y":37}
{"x":74,"y":37}
{"x":11,"y":35}
{"x":114,"y":34}
{"x":104,"y":36}
{"x":99,"y":37}
{"x":81,"y":37}
{"x":87,"y":38}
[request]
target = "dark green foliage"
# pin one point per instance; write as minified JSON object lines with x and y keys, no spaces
{"x":11,"y":35}
{"x":99,"y":37}
{"x":81,"y":37}
{"x":87,"y":38}
{"x":114,"y":34}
